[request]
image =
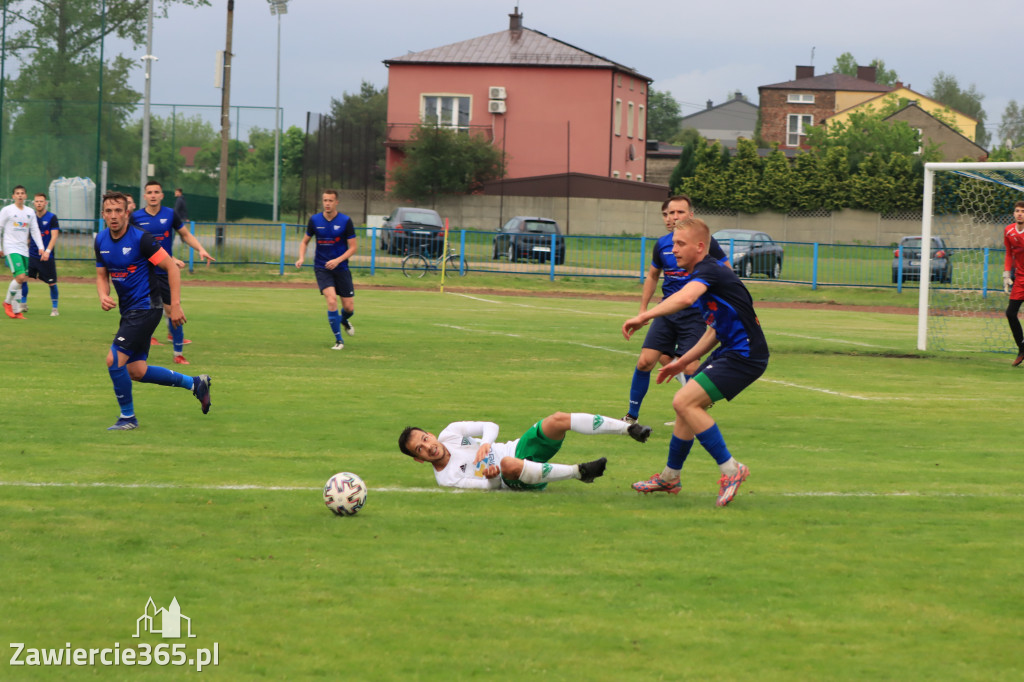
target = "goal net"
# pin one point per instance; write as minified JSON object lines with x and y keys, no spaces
{"x":966,"y":206}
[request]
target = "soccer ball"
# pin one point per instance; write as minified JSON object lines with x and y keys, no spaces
{"x":345,"y":494}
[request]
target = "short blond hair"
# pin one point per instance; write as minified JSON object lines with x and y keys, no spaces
{"x":700,"y":229}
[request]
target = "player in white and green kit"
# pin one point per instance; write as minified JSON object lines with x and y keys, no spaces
{"x":17,"y":225}
{"x":467,"y":454}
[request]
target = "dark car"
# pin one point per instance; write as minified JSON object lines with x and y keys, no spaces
{"x":529,"y":238}
{"x":751,"y":252}
{"x":942,"y":268}
{"x":413,"y":230}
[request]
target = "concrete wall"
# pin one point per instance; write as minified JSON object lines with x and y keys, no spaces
{"x":611,"y":217}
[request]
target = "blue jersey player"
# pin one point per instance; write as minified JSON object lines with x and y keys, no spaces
{"x":671,"y":335}
{"x":129,"y":257}
{"x":163,"y":223}
{"x":45,"y":270}
{"x":742,"y":357}
{"x":335,"y":245}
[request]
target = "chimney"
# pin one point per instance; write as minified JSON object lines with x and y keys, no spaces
{"x":709,"y":104}
{"x":804,"y":72}
{"x":867,"y":73}
{"x":515,"y":20}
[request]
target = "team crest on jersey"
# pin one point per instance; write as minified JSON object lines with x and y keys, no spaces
{"x":337,"y":227}
{"x":598,"y":420}
{"x":465,"y":440}
{"x":126,"y":250}
{"x":163,"y":220}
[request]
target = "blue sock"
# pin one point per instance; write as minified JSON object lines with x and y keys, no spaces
{"x":166,"y":377}
{"x":345,"y":314}
{"x":678,"y":449}
{"x":24,"y":292}
{"x":54,"y":295}
{"x":637,"y":390}
{"x":334,"y":319}
{"x":714,"y":443}
{"x":177,"y":337}
{"x":122,"y":387}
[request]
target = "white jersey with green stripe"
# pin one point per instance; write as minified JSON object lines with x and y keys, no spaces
{"x":16,"y":226}
{"x":463,"y":440}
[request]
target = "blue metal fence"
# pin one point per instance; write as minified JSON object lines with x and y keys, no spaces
{"x":810,"y":263}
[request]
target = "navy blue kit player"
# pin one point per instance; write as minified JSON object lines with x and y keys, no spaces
{"x":129,"y":257}
{"x":335,"y":244}
{"x":163,"y":223}
{"x":44,"y":270}
{"x":672,"y":335}
{"x":741,"y":357}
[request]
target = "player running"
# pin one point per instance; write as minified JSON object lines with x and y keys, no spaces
{"x":17,"y":224}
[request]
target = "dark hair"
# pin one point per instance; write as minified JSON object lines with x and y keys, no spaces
{"x":40,"y":194}
{"x":154,"y":182}
{"x":331,"y":191}
{"x":677,"y":197}
{"x":178,"y":189}
{"x":17,"y":187}
{"x":1019,"y":204}
{"x":404,"y":439}
{"x":115,"y":196}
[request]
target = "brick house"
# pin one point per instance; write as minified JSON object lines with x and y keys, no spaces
{"x":550,"y":106}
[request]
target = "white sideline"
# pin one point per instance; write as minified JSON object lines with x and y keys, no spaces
{"x":456,"y":491}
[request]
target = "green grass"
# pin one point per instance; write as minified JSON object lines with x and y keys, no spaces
{"x":878,"y":536}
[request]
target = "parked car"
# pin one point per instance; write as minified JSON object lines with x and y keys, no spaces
{"x":751,"y":252}
{"x":942,"y":268}
{"x":413,"y":230}
{"x":528,"y":238}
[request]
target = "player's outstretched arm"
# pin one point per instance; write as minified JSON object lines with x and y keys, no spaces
{"x":103,"y":290}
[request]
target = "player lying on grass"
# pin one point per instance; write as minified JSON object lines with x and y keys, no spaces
{"x":466,"y":454}
{"x":742,"y":356}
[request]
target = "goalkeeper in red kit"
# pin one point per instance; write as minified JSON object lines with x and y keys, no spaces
{"x":1013,"y":276}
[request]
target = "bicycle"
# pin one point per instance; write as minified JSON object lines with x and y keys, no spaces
{"x":416,"y":264}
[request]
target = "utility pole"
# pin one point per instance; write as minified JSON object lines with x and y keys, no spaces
{"x":225,"y":130}
{"x":149,"y":59}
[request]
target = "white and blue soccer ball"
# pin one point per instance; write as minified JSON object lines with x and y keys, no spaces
{"x":345,"y":493}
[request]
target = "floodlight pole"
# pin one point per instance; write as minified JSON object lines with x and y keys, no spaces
{"x":149,"y":59}
{"x":277,"y":7}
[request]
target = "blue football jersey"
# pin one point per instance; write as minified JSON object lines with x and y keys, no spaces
{"x":729,"y":310}
{"x":331,"y":237}
{"x":48,"y":224}
{"x":163,"y":226}
{"x":130,"y":263}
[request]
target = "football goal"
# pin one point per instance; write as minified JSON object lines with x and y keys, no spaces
{"x":966,"y":208}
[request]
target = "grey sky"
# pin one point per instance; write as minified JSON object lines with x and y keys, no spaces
{"x":696,"y":51}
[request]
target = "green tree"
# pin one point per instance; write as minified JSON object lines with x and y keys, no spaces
{"x":846,"y":64}
{"x":908,"y":181}
{"x":441,"y":160}
{"x":1011,"y":126}
{"x":833,"y":174}
{"x":777,"y":182}
{"x":743,"y":178}
{"x":708,"y":187}
{"x":806,"y":182}
{"x":862,"y":133}
{"x":686,"y":167}
{"x":663,"y":115}
{"x":947,"y":90}
{"x":360,"y":124}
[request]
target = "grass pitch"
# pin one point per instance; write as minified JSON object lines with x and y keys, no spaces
{"x":878,"y":536}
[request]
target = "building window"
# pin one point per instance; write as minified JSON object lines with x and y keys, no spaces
{"x":796,"y":98}
{"x":448,"y":111}
{"x":798,"y":125}
{"x":618,"y":117}
{"x":615,"y":174}
{"x":639,"y":178}
{"x":641,"y":123}
{"x":629,"y":120}
{"x":920,"y":140}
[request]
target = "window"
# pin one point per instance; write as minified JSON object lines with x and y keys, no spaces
{"x":629,"y":176}
{"x":798,"y":125}
{"x":800,"y":98}
{"x":618,"y":117}
{"x":639,"y":178}
{"x":641,"y":123}
{"x":449,"y":111}
{"x":629,"y":120}
{"x":615,"y":174}
{"x":920,"y":140}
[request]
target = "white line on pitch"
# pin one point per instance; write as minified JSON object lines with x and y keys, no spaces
{"x":558,"y":341}
{"x":539,"y":307}
{"x":831,"y":340}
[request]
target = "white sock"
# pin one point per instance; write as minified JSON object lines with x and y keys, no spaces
{"x":681,"y":378}
{"x":670,"y":474}
{"x":13,"y":291}
{"x":543,"y":472}
{"x":590,"y":424}
{"x":729,"y":467}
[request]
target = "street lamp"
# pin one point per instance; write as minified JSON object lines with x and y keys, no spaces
{"x":277,"y":7}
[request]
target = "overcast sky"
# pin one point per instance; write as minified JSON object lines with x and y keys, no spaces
{"x":695,"y":51}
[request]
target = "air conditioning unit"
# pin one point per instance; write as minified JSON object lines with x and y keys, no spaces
{"x":496,"y":106}
{"x":496,"y":92}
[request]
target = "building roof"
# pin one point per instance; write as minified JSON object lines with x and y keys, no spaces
{"x":901,"y":112}
{"x":513,"y":47}
{"x":830,"y":82}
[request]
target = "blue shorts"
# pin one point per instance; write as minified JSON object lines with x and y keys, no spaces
{"x":676,"y":333}
{"x":136,"y":331}
{"x":725,"y":375}
{"x":340,"y":278}
{"x":163,"y":287}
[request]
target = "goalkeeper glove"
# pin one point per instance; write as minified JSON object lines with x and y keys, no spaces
{"x":1007,"y":282}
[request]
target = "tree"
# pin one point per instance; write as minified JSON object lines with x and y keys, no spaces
{"x":743,"y":178}
{"x":663,"y":115}
{"x":1011,"y":126}
{"x":847,"y":64}
{"x":864,"y":132}
{"x":686,"y":167}
{"x":440,"y":160}
{"x":777,"y":182}
{"x":360,"y":125}
{"x":708,"y":187}
{"x":947,"y":90}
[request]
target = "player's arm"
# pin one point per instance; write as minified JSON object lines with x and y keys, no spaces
{"x":650,"y":286}
{"x":310,"y":231}
{"x":684,"y":298}
{"x":37,"y":237}
{"x":190,"y":239}
{"x":54,"y":233}
{"x":708,"y":341}
{"x":1007,"y":263}
{"x":165,"y":262}
{"x":103,"y":288}
{"x":349,"y":252}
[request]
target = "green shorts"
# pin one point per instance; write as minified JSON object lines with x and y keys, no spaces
{"x":17,"y":263}
{"x":535,"y":447}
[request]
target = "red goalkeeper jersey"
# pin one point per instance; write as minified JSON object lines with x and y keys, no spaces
{"x":1014,"y":243}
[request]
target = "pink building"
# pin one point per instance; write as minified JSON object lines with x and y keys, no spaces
{"x":551,"y":107}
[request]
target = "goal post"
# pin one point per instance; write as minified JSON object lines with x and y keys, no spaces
{"x":967,"y":205}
